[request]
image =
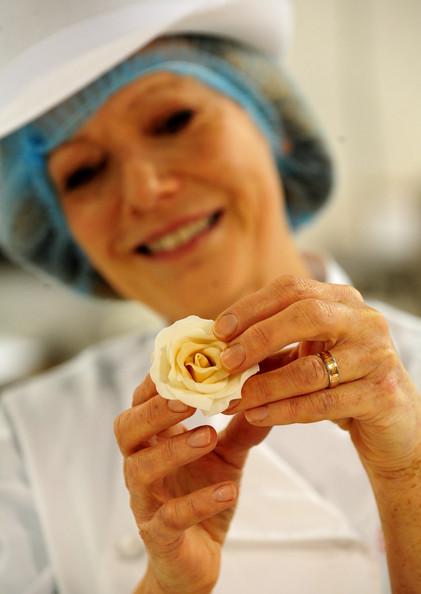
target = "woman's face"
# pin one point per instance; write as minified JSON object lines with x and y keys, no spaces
{"x":171,"y":191}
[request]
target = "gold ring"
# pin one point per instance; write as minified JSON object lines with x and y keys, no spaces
{"x":329,"y":362}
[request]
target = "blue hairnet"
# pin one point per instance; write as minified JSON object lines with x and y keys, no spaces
{"x":33,"y":229}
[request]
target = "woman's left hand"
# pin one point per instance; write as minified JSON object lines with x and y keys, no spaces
{"x":375,"y":401}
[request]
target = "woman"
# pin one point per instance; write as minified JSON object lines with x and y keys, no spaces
{"x":174,"y":180}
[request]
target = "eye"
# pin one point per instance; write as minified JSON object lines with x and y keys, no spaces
{"x":175,"y":123}
{"x":83,"y":175}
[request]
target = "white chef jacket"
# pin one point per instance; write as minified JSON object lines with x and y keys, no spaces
{"x":306,"y":520}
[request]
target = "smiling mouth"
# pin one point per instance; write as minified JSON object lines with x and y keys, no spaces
{"x":182,"y":237}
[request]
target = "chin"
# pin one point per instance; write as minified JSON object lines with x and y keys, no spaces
{"x":209,"y":302}
{"x":205,"y":293}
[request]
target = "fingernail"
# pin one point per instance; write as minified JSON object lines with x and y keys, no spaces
{"x":257,"y":414}
{"x":225,"y":493}
{"x":234,"y":404}
{"x":233,"y":356}
{"x":200,"y":438}
{"x":177,"y":406}
{"x":226,"y":325}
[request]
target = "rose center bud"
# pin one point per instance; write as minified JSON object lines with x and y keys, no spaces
{"x":199,"y":366}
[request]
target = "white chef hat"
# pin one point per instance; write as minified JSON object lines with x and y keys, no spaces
{"x":50,"y":50}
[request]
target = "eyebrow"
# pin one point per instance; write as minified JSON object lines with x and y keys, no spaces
{"x":133,"y":103}
{"x":69,"y":144}
{"x":152,"y":87}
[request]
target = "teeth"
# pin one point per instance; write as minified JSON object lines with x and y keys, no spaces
{"x":179,"y":237}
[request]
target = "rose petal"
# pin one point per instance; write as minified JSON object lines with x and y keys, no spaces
{"x":217,"y":376}
{"x":163,"y":365}
{"x":199,"y":374}
{"x":185,"y":351}
{"x":214,"y":350}
{"x":217,"y":407}
{"x":211,"y":375}
{"x":204,"y":388}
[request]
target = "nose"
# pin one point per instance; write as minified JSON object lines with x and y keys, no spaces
{"x":143,"y":186}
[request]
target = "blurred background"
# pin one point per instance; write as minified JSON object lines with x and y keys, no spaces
{"x":357,"y":63}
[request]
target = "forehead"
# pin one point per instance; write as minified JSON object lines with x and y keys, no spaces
{"x":150,"y":91}
{"x":144,"y":96}
{"x":153,"y":86}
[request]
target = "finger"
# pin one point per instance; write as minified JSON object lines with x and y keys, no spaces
{"x":144,"y":391}
{"x":305,"y":376}
{"x":176,"y":430}
{"x":279,"y":359}
{"x":235,"y":441}
{"x":354,"y":400}
{"x":269,"y":364}
{"x":164,"y":435}
{"x":179,"y":514}
{"x":135,"y":426}
{"x":306,"y":320}
{"x":278,"y":295}
{"x":151,"y":464}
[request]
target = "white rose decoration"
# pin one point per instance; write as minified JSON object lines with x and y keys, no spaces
{"x":186,"y":366}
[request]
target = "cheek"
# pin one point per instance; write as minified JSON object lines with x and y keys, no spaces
{"x":219,"y":150}
{"x":237,"y":159}
{"x":88,"y":224}
{"x":231,"y":152}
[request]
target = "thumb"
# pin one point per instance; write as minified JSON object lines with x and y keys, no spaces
{"x":235,"y":441}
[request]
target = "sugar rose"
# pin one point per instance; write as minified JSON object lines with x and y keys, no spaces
{"x":186,"y":366}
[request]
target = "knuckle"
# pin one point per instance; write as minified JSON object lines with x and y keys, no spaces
{"x":169,"y":449}
{"x":293,"y":408}
{"x":386,"y":377}
{"x":378,"y":321}
{"x":386,"y":383}
{"x":291,"y":284}
{"x":283,"y":282}
{"x":177,"y":514}
{"x":391,"y":360}
{"x":354,"y":293}
{"x":312,"y":372}
{"x":154,"y":534}
{"x":388,"y":394}
{"x":259,"y":337}
{"x":256,"y":389}
{"x":151,"y":412}
{"x":324,"y":403}
{"x":306,"y":409}
{"x":138,"y":472}
{"x":193,"y":508}
{"x":317,"y":313}
{"x":169,"y":515}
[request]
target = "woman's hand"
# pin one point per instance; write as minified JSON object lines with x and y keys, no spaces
{"x":375,"y":401}
{"x":183,"y":488}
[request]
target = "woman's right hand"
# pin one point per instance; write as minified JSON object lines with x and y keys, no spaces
{"x":183,"y":488}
